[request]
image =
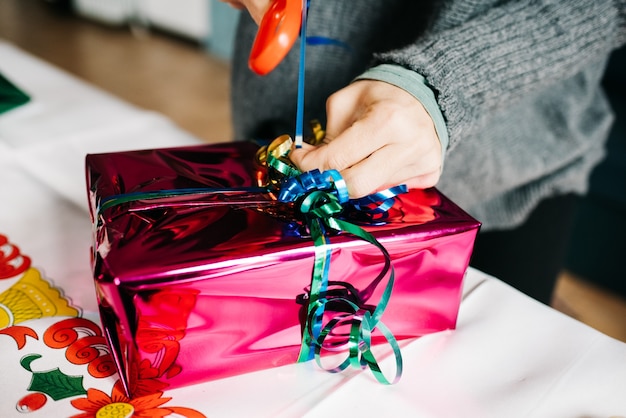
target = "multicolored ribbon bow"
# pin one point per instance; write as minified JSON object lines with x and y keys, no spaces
{"x":320,"y":198}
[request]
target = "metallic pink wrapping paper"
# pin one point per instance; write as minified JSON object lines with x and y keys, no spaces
{"x":189,"y":294}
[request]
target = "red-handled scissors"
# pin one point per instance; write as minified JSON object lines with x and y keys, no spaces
{"x":277,"y":33}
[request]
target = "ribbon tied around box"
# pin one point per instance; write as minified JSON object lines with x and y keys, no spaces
{"x":319,"y":200}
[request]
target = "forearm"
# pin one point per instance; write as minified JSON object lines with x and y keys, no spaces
{"x":493,"y":60}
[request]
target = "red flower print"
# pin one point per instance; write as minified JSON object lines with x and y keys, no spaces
{"x":98,"y":404}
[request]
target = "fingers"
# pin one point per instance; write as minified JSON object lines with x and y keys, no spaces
{"x":378,"y":136}
{"x":347,"y":139}
{"x":371,"y":158}
{"x":388,"y":168}
{"x":256,"y":8}
{"x":234,"y":4}
{"x":343,"y":108}
{"x":381,"y":170}
{"x":340,"y":153}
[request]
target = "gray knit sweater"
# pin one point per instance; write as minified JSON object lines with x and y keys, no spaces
{"x":517,"y":83}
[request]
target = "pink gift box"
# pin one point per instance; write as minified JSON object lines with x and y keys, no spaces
{"x":190,"y":292}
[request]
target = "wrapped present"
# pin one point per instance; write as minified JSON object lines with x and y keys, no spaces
{"x":216,"y":276}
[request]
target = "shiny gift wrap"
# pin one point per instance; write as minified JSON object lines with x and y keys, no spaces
{"x":195,"y":288}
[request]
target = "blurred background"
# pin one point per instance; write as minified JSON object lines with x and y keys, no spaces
{"x":172,"y":57}
{"x":162,"y":55}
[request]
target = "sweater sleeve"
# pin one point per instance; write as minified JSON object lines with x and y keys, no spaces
{"x":416,"y":86}
{"x":491,"y":59}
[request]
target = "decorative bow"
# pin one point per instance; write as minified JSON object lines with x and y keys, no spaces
{"x":320,"y":198}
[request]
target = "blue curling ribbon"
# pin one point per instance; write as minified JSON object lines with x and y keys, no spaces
{"x":331,"y":181}
{"x":301,"y":67}
{"x":379,"y":202}
{"x":322,"y":40}
{"x":304,"y":41}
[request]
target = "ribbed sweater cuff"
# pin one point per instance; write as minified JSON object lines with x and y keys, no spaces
{"x":417,"y":86}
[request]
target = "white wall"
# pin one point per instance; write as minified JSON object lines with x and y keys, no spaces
{"x":210,"y":22}
{"x":189,"y":18}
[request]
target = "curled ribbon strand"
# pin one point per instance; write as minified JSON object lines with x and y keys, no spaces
{"x":322,"y":196}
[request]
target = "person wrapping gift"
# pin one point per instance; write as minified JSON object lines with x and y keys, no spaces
{"x":507,"y":93}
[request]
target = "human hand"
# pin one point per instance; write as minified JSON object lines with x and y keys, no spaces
{"x":377,"y":136}
{"x":256,"y":8}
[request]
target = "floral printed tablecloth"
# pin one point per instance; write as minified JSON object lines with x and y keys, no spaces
{"x":61,"y":350}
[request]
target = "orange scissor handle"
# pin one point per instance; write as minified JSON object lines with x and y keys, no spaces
{"x":277,"y":33}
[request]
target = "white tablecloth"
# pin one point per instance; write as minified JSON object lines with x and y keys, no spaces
{"x":509,"y":357}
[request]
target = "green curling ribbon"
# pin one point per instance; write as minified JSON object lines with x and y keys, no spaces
{"x":320,"y":208}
